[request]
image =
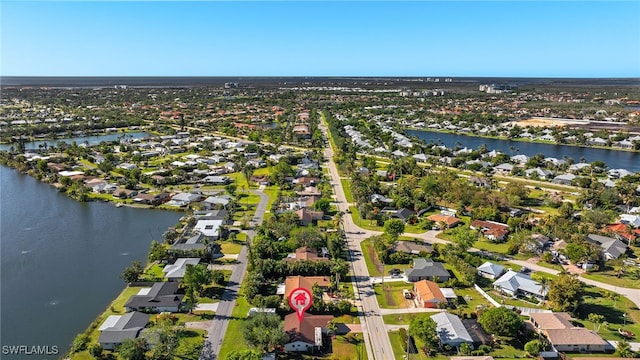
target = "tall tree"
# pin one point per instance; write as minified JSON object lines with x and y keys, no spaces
{"x":500,"y":321}
{"x":393,"y":229}
{"x":565,"y":293}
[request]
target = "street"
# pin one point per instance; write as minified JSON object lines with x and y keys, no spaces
{"x":220,"y":322}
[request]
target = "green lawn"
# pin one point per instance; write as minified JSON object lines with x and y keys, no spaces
{"x":402,"y":319}
{"x":344,"y":350}
{"x":609,"y":277}
{"x":396,"y":344}
{"x":369,"y":256}
{"x":262,"y":171}
{"x":613,"y":311}
{"x":346,"y":185}
{"x":469,"y":300}
{"x":233,"y":338}
{"x":391,"y":297}
{"x":347,"y":319}
{"x":154,"y":272}
{"x":229,"y":248}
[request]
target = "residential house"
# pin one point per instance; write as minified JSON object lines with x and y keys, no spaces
{"x":564,"y":179}
{"x":211,"y":228}
{"x":490,"y":270}
{"x":308,"y":216}
{"x":578,"y":167}
{"x":377,"y":198}
{"x":308,"y":334}
{"x":611,"y":248}
{"x":309,"y":191}
{"x":539,"y":173}
{"x":451,"y":330}
{"x":503,"y":169}
{"x":403,"y":214}
{"x":480,"y":182}
{"x":564,"y":336}
{"x":118,"y":328}
{"x":124,"y":193}
{"x":518,"y":284}
{"x":427,"y":269}
{"x":212,"y":201}
{"x":175,"y":272}
{"x":411,"y":247}
{"x":161,"y":297}
{"x":630,"y":219}
{"x":623,"y":232}
{"x":293,"y":282}
{"x":448,"y":221}
{"x":216,"y":180}
{"x":194,"y":245}
{"x":428,"y":294}
{"x":151,"y":199}
{"x":184,"y":199}
{"x":490,"y":229}
{"x":306,"y":253}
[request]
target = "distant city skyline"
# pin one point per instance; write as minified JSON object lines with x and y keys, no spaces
{"x":305,"y":38}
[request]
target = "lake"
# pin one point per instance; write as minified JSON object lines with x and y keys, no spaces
{"x":61,"y":260}
{"x":90,"y":140}
{"x":614,"y":159}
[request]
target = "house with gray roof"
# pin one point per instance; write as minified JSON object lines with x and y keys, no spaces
{"x":451,"y":330}
{"x":518,"y":284}
{"x":427,"y":269}
{"x":611,"y":248}
{"x":118,"y":328}
{"x":175,"y":272}
{"x":490,"y":270}
{"x":564,"y":179}
{"x":212,"y":201}
{"x":161,"y":297}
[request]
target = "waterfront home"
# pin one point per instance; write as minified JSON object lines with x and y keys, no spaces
{"x":517,"y":284}
{"x":490,"y":270}
{"x":151,"y":199}
{"x":124,"y":193}
{"x":194,"y":245}
{"x":175,"y":272}
{"x":118,"y":328}
{"x":611,"y":248}
{"x":160,"y":297}
{"x":427,"y":269}
{"x":578,"y":167}
{"x":211,"y":228}
{"x":308,"y":334}
{"x":451,"y":331}
{"x":184,"y":199}
{"x":618,"y":173}
{"x":428,"y":294}
{"x":564,"y":336}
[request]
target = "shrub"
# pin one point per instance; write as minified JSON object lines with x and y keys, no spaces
{"x":79,"y":343}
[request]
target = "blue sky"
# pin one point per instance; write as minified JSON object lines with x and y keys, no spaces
{"x":304,"y":38}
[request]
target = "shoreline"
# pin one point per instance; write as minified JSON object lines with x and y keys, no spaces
{"x":452,"y":132}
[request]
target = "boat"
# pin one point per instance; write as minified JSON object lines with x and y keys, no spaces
{"x":119,"y":205}
{"x":626,"y":333}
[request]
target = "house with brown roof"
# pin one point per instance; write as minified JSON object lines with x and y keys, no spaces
{"x":564,"y":336}
{"x":293,"y":282}
{"x":306,"y":253}
{"x":490,"y":229}
{"x":308,"y":216}
{"x":428,"y":294}
{"x":449,"y":221}
{"x":308,"y":334}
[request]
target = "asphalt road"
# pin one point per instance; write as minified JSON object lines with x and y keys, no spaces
{"x":220,"y":322}
{"x":374,"y":331}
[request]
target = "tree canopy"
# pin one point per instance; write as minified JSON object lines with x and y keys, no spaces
{"x":500,"y":321}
